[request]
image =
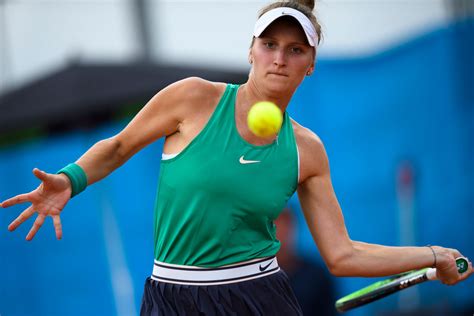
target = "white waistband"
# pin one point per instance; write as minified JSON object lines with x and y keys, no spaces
{"x":242,"y":271}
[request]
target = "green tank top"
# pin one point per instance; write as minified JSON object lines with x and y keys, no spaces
{"x":218,"y":198}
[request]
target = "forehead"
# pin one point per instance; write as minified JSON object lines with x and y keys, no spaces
{"x":287,"y":27}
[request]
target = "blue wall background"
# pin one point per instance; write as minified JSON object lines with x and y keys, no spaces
{"x":414,"y":102}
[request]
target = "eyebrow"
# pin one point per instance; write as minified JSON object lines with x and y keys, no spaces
{"x":291,"y":43}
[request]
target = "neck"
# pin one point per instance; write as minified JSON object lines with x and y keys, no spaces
{"x":249,"y":94}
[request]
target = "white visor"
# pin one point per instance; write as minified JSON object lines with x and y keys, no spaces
{"x":265,"y":20}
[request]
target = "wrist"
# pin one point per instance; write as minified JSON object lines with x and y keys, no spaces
{"x":434,"y":255}
{"x":76,"y":177}
{"x":444,"y":258}
{"x":67,"y":181}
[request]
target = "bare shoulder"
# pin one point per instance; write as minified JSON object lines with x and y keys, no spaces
{"x":196,"y":91}
{"x":200,"y":87}
{"x":312,"y":155}
{"x":179,"y":109}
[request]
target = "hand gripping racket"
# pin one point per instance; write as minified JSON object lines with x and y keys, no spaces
{"x":391,"y":285}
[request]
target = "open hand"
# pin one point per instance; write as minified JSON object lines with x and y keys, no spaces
{"x":48,"y":199}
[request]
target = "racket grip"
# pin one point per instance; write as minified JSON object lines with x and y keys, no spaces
{"x":461,"y":262}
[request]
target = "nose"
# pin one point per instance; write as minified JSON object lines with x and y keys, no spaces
{"x":279,"y":58}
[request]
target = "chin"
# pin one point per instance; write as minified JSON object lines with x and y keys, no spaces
{"x":276,"y":88}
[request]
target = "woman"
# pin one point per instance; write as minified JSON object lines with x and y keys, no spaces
{"x":221,"y":187}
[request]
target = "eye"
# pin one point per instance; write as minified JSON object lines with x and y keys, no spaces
{"x":269,"y":44}
{"x":296,"y":50}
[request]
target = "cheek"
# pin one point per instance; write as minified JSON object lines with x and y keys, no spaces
{"x":261,"y":57}
{"x":303,"y":63}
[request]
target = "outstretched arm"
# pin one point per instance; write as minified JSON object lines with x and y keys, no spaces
{"x":161,"y":116}
{"x":343,"y":256}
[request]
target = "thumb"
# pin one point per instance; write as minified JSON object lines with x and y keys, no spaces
{"x":43,"y":176}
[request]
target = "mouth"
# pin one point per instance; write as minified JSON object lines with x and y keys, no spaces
{"x":278,"y":74}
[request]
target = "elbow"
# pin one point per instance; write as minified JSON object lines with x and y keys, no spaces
{"x":340,"y":264}
{"x":117,"y":152}
{"x":118,"y":146}
{"x":338,"y":269}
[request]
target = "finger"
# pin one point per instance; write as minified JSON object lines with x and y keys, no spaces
{"x":461,"y":276}
{"x":20,"y":219}
{"x":468,"y":273}
{"x":456,"y":253}
{"x":40,"y":174}
{"x":21,"y":198}
{"x":57,"y":226}
{"x":36,"y":226}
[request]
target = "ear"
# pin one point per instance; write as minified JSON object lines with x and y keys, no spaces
{"x":250,"y":57}
{"x":310,"y":69}
{"x":313,"y":63}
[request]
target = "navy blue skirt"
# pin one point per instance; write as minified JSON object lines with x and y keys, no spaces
{"x":268,"y":295}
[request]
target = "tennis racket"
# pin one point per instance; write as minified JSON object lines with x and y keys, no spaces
{"x":391,"y":285}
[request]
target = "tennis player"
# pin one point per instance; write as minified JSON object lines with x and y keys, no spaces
{"x":221,"y":187}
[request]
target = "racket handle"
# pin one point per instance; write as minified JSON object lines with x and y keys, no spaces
{"x":461,"y":262}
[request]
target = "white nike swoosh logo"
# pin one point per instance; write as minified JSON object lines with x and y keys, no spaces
{"x":244,"y":162}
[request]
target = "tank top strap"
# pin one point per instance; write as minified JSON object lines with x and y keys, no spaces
{"x":223,"y":116}
{"x":286,"y":132}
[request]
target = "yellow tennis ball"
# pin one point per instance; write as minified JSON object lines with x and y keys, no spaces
{"x":264,"y":119}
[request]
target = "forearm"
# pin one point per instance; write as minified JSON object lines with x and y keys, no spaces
{"x":371,"y":260}
{"x":102,"y":159}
